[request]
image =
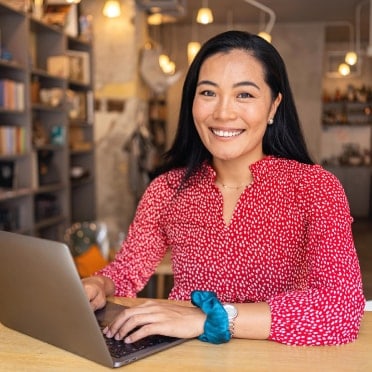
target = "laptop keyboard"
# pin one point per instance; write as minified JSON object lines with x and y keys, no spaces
{"x":118,"y":348}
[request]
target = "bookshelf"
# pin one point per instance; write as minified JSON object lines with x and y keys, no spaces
{"x":47,"y":177}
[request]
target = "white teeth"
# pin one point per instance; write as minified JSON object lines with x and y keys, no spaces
{"x":226,"y":133}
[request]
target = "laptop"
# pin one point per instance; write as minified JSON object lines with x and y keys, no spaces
{"x":42,"y":296}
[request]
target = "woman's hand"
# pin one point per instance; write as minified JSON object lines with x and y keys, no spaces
{"x":156,"y":318}
{"x":96,"y":289}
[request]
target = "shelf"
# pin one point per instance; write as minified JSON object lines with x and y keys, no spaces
{"x":12,"y":65}
{"x":348,"y":124}
{"x":47,"y":126}
{"x":45,"y":75}
{"x":48,"y":108}
{"x":7,"y":195}
{"x":81,"y":182}
{"x":47,"y":222}
{"x":43,"y":189}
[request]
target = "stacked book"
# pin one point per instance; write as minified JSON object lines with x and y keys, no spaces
{"x":12,"y":95}
{"x":12,"y":140}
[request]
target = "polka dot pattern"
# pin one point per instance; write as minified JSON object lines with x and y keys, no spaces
{"x":289,"y":243}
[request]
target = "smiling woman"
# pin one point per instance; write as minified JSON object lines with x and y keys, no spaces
{"x":260,"y":237}
{"x":231,"y":114}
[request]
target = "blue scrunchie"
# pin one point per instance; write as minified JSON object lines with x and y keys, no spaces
{"x":216,"y":326}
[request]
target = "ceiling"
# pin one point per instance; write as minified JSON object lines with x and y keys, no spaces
{"x":239,"y":11}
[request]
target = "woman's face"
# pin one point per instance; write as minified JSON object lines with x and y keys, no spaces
{"x":232,"y":106}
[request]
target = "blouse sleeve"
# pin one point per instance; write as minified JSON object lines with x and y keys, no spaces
{"x":144,"y":246}
{"x":329,"y":309}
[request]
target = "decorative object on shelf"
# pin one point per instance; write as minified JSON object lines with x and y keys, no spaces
{"x":351,"y":155}
{"x":53,"y":97}
{"x":73,"y":65}
{"x":35,"y":90}
{"x":46,"y":206}
{"x":7,"y":174}
{"x":39,"y":134}
{"x":58,"y":135}
{"x":78,"y":173}
{"x":9,"y":218}
{"x":63,"y":14}
{"x":38,"y":8}
{"x":86,"y":27}
{"x":48,"y":169}
{"x":77,"y":103}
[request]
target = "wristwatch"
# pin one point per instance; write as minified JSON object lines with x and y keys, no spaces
{"x":232,"y":313}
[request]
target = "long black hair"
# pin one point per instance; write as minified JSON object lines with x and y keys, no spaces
{"x":283,"y":139}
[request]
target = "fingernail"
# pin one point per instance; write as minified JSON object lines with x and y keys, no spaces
{"x":105,"y":330}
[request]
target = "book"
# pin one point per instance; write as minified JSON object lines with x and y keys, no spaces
{"x":12,"y":140}
{"x":12,"y":95}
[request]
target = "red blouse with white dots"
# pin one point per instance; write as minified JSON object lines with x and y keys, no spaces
{"x":289,"y":243}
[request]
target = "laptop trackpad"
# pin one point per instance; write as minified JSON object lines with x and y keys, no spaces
{"x":108,"y":313}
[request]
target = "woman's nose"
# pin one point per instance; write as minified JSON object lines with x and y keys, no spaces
{"x":224,"y":110}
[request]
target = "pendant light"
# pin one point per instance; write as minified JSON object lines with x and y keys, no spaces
{"x":192,"y":50}
{"x":111,"y":9}
{"x":205,"y":15}
{"x":193,"y":46}
{"x":266,"y":33}
{"x":344,"y":69}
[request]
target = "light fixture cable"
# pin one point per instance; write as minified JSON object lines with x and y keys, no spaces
{"x":270,"y":12}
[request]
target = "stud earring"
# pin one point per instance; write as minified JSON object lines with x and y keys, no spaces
{"x":270,"y":122}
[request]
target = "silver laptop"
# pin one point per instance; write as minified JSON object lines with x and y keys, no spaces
{"x":42,"y":296}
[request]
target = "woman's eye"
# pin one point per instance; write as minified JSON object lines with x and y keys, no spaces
{"x":244,"y":95}
{"x":207,"y":93}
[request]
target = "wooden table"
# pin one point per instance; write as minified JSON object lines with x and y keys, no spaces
{"x":19,"y":352}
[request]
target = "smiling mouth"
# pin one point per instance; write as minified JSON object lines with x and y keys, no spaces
{"x":226,"y":133}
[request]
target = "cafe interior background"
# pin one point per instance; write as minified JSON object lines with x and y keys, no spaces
{"x":141,"y":52}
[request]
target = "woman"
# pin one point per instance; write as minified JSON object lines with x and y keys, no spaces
{"x":250,"y":220}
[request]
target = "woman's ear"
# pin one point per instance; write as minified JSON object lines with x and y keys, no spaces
{"x":275,"y":104}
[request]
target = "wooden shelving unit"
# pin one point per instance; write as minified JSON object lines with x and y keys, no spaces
{"x":53,"y":179}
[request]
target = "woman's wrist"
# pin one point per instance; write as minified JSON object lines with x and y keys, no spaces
{"x":216,"y":326}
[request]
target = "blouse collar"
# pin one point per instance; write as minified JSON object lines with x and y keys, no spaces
{"x":259,"y":169}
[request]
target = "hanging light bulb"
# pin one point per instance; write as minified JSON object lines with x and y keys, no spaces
{"x":166,"y":64}
{"x":111,"y":9}
{"x":155,"y":19}
{"x":266,"y":36}
{"x":351,"y":58}
{"x":205,"y":14}
{"x":344,"y":69}
{"x":266,"y":33}
{"x":192,"y":50}
{"x":163,"y":61}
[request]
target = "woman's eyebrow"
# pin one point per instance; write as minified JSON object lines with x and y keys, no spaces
{"x":241,"y":83}
{"x":246,"y":83}
{"x":208,"y":82}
